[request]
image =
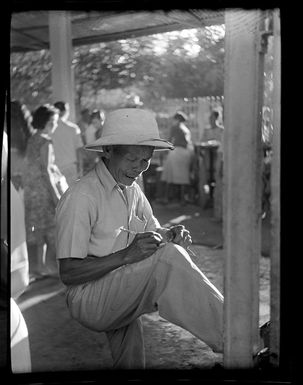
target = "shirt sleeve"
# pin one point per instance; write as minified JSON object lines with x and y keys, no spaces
{"x":75,"y":216}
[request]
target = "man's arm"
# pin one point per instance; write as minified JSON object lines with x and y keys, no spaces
{"x":75,"y":271}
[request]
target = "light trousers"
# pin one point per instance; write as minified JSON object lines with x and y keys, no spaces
{"x":169,"y":282}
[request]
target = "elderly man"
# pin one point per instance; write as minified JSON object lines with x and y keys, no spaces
{"x":115,"y":259}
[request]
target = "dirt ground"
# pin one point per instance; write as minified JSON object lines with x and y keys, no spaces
{"x":59,"y":343}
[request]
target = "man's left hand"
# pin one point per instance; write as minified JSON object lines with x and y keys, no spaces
{"x":180,"y":236}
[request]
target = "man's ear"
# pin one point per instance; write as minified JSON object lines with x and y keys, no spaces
{"x":107,"y":151}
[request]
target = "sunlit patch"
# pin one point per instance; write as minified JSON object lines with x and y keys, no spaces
{"x":177,"y":220}
{"x":35,"y":300}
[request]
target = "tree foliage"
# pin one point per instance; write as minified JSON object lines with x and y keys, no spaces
{"x":31,"y":77}
{"x":177,"y":64}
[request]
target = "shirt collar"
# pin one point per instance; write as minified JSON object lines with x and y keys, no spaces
{"x":106,"y":177}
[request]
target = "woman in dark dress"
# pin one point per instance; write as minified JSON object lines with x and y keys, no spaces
{"x":43,"y":186}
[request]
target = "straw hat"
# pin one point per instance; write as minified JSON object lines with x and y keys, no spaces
{"x":130,"y":126}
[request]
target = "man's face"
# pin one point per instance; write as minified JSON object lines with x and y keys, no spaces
{"x":127,"y":166}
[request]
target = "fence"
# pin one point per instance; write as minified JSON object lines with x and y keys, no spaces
{"x":197,"y":109}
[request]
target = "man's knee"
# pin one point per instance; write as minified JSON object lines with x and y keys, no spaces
{"x":172,"y":252}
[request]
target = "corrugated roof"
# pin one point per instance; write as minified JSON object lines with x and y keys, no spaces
{"x":29,"y":30}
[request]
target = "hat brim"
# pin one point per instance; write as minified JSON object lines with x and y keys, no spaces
{"x":159,"y":144}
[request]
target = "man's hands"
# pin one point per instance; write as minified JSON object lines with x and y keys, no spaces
{"x":147,"y":243}
{"x":143,"y":246}
{"x":179,"y":235}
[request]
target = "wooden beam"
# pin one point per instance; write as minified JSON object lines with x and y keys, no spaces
{"x":62,"y":55}
{"x":129,"y":34}
{"x":105,"y":37}
{"x":34,"y":41}
{"x":274,"y":336}
{"x":162,"y":22}
{"x":242,"y":183}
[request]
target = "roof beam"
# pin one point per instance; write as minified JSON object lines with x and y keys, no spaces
{"x":128,"y":34}
{"x":32,"y":27}
{"x":41,"y":44}
{"x":113,"y":36}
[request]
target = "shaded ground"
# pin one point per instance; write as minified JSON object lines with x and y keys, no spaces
{"x":203,"y":228}
{"x":59,"y":343}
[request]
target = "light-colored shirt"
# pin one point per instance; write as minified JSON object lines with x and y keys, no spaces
{"x":66,"y":140}
{"x":90,"y":133}
{"x":214,"y":134}
{"x":91,"y":214}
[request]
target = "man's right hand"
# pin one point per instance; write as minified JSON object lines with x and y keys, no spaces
{"x":143,"y":246}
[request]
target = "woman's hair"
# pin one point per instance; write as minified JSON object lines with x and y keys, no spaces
{"x":20,"y":126}
{"x":42,"y":115}
{"x":98,"y":114}
{"x":63,"y":108}
{"x":181,"y":116}
{"x":215,"y":114}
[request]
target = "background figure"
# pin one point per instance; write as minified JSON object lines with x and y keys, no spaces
{"x":83,"y":123}
{"x":97,"y":121}
{"x":177,"y":167}
{"x":43,"y":186}
{"x":20,"y":131}
{"x":94,"y":127}
{"x":266,"y":176}
{"x":93,"y":132}
{"x":68,"y":145}
{"x":213,"y":160}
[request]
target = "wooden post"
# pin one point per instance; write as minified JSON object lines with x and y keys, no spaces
{"x":62,"y":54}
{"x":274,"y":336}
{"x":242,"y":183}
